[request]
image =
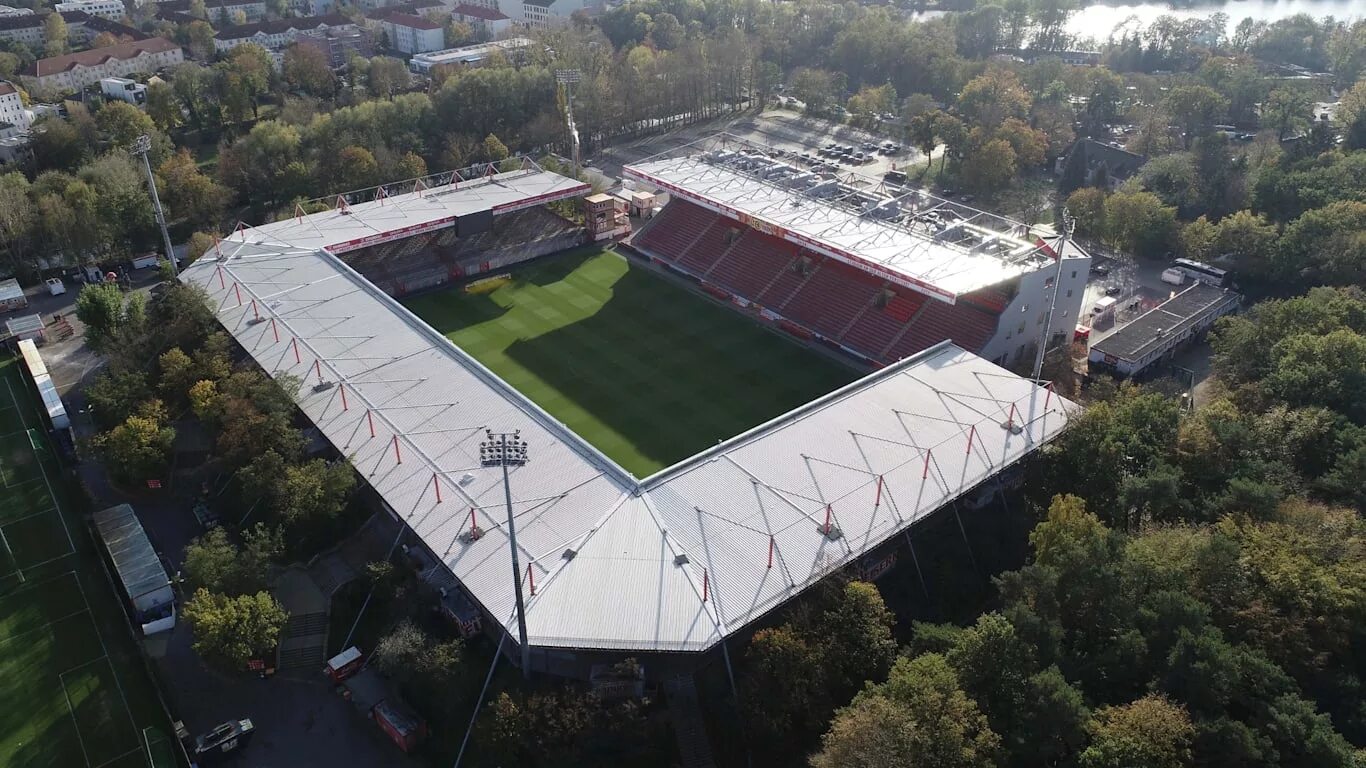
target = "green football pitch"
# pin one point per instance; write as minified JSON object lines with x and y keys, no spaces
{"x":642,"y":368}
{"x":72,"y":691}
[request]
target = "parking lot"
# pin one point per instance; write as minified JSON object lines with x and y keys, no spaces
{"x":783,"y":131}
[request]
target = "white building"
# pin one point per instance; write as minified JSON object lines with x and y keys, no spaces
{"x":7,"y":10}
{"x":484,"y":19}
{"x":541,"y":13}
{"x":12,"y":109}
{"x":278,"y":34}
{"x":413,"y":34}
{"x":124,"y":90}
{"x":469,"y":55}
{"x":308,"y":8}
{"x":113,"y":10}
{"x":220,"y":11}
{"x":75,"y":71}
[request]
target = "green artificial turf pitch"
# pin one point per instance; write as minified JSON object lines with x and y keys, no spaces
{"x":72,"y":692}
{"x":643,"y":368}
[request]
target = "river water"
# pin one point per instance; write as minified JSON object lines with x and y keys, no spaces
{"x":1098,"y":21}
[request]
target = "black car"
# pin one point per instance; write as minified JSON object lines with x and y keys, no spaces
{"x":1100,"y":269}
{"x":223,"y":739}
{"x":1112,"y":290}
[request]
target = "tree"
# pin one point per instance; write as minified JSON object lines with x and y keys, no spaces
{"x":954,"y":135}
{"x":306,"y":68}
{"x":988,"y":99}
{"x":1030,"y":145}
{"x":1151,"y":732}
{"x":58,"y":144}
{"x":492,"y":150}
{"x":666,"y":32}
{"x":190,"y":195}
{"x":213,"y":562}
{"x":200,"y":36}
{"x":1139,"y":223}
{"x":385,"y":76}
{"x":1087,"y":206}
{"x":251,"y":71}
{"x":138,"y":448}
{"x":163,"y":107}
{"x":55,"y":35}
{"x":921,"y":129}
{"x":1325,"y":247}
{"x":115,"y":395}
{"x":815,"y":88}
{"x":230,"y":631}
{"x":1286,"y":110}
{"x":18,"y":219}
{"x":1196,"y":108}
{"x":110,"y":317}
{"x":412,"y":657}
{"x":923,"y":718}
{"x":990,"y":166}
{"x":1249,"y":241}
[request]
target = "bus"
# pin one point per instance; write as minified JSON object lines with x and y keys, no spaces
{"x":1196,"y":270}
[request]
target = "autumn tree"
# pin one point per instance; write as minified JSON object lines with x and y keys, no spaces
{"x":230,"y":631}
{"x":1151,"y":732}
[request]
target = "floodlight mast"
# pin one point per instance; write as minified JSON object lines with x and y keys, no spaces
{"x":1068,"y":223}
{"x":141,"y":146}
{"x":567,"y":78}
{"x":510,"y":450}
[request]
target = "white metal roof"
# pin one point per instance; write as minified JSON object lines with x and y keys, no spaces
{"x":143,"y":576}
{"x":435,"y":204}
{"x":617,"y":562}
{"x":942,"y":259}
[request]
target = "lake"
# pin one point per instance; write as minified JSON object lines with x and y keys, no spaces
{"x":1098,"y":21}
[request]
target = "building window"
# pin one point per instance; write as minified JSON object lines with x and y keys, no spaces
{"x":1074,"y":274}
{"x":1069,"y":293}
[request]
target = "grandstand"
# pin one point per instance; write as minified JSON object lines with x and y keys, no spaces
{"x":614,"y":564}
{"x":881,"y":275}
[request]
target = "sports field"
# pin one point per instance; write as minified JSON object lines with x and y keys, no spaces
{"x":646,"y":370}
{"x":72,"y":692}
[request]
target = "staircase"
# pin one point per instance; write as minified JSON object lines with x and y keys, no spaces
{"x":694,"y":750}
{"x":304,"y":642}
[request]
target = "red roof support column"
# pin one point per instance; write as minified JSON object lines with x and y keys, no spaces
{"x":1047,"y":399}
{"x":436,"y":481}
{"x":294,"y":342}
{"x":530,"y":579}
{"x":342,"y":388}
{"x":398,"y":456}
{"x":828,"y":513}
{"x":706,"y":585}
{"x":275,"y":330}
{"x":926,"y":473}
{"x":237,"y":291}
{"x":770,"y":550}
{"x":878,"y":501}
{"x":222,"y":286}
{"x":971,"y":434}
{"x":370,"y":419}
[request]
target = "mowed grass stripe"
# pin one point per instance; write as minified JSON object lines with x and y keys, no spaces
{"x":646,"y":370}
{"x":38,"y":604}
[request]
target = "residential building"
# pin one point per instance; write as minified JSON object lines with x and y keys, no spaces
{"x":113,"y":10}
{"x":12,"y":109}
{"x":308,"y":8}
{"x":220,"y":11}
{"x":123,"y":89}
{"x":278,"y":34}
{"x":15,"y":149}
{"x":81,"y":28}
{"x":1115,"y":162}
{"x":514,"y":48}
{"x":8,"y":10}
{"x":376,"y":13}
{"x":485,"y":20}
{"x":542,"y":13}
{"x":75,"y":71}
{"x":413,"y":34}
{"x":339,"y":44}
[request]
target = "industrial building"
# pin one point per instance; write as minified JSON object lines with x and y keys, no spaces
{"x":1138,"y":349}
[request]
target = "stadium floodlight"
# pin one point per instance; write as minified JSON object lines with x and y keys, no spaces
{"x":141,"y":146}
{"x":567,"y":78}
{"x":510,"y":450}
{"x":1068,"y":224}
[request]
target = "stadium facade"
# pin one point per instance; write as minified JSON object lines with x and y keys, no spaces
{"x":665,"y":567}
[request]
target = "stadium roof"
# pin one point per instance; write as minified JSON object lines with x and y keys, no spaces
{"x":930,"y":245}
{"x":413,"y":207}
{"x":672,"y":562}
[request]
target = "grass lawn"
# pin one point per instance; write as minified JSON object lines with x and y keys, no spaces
{"x":72,"y":689}
{"x":644,"y":369}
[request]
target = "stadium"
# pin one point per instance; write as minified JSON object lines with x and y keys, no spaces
{"x":666,"y":564}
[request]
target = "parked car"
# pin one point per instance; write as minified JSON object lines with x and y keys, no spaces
{"x":1112,"y":290}
{"x":1100,"y":269}
{"x":223,"y":739}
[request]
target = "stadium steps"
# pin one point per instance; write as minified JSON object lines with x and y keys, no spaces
{"x":306,"y":624}
{"x":749,"y":266}
{"x":312,"y":657}
{"x":830,"y":300}
{"x":694,"y":749}
{"x":708,"y":248}
{"x":874,"y":332}
{"x":886,"y":353}
{"x":783,"y":284}
{"x":802,"y":284}
{"x":870,"y":306}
